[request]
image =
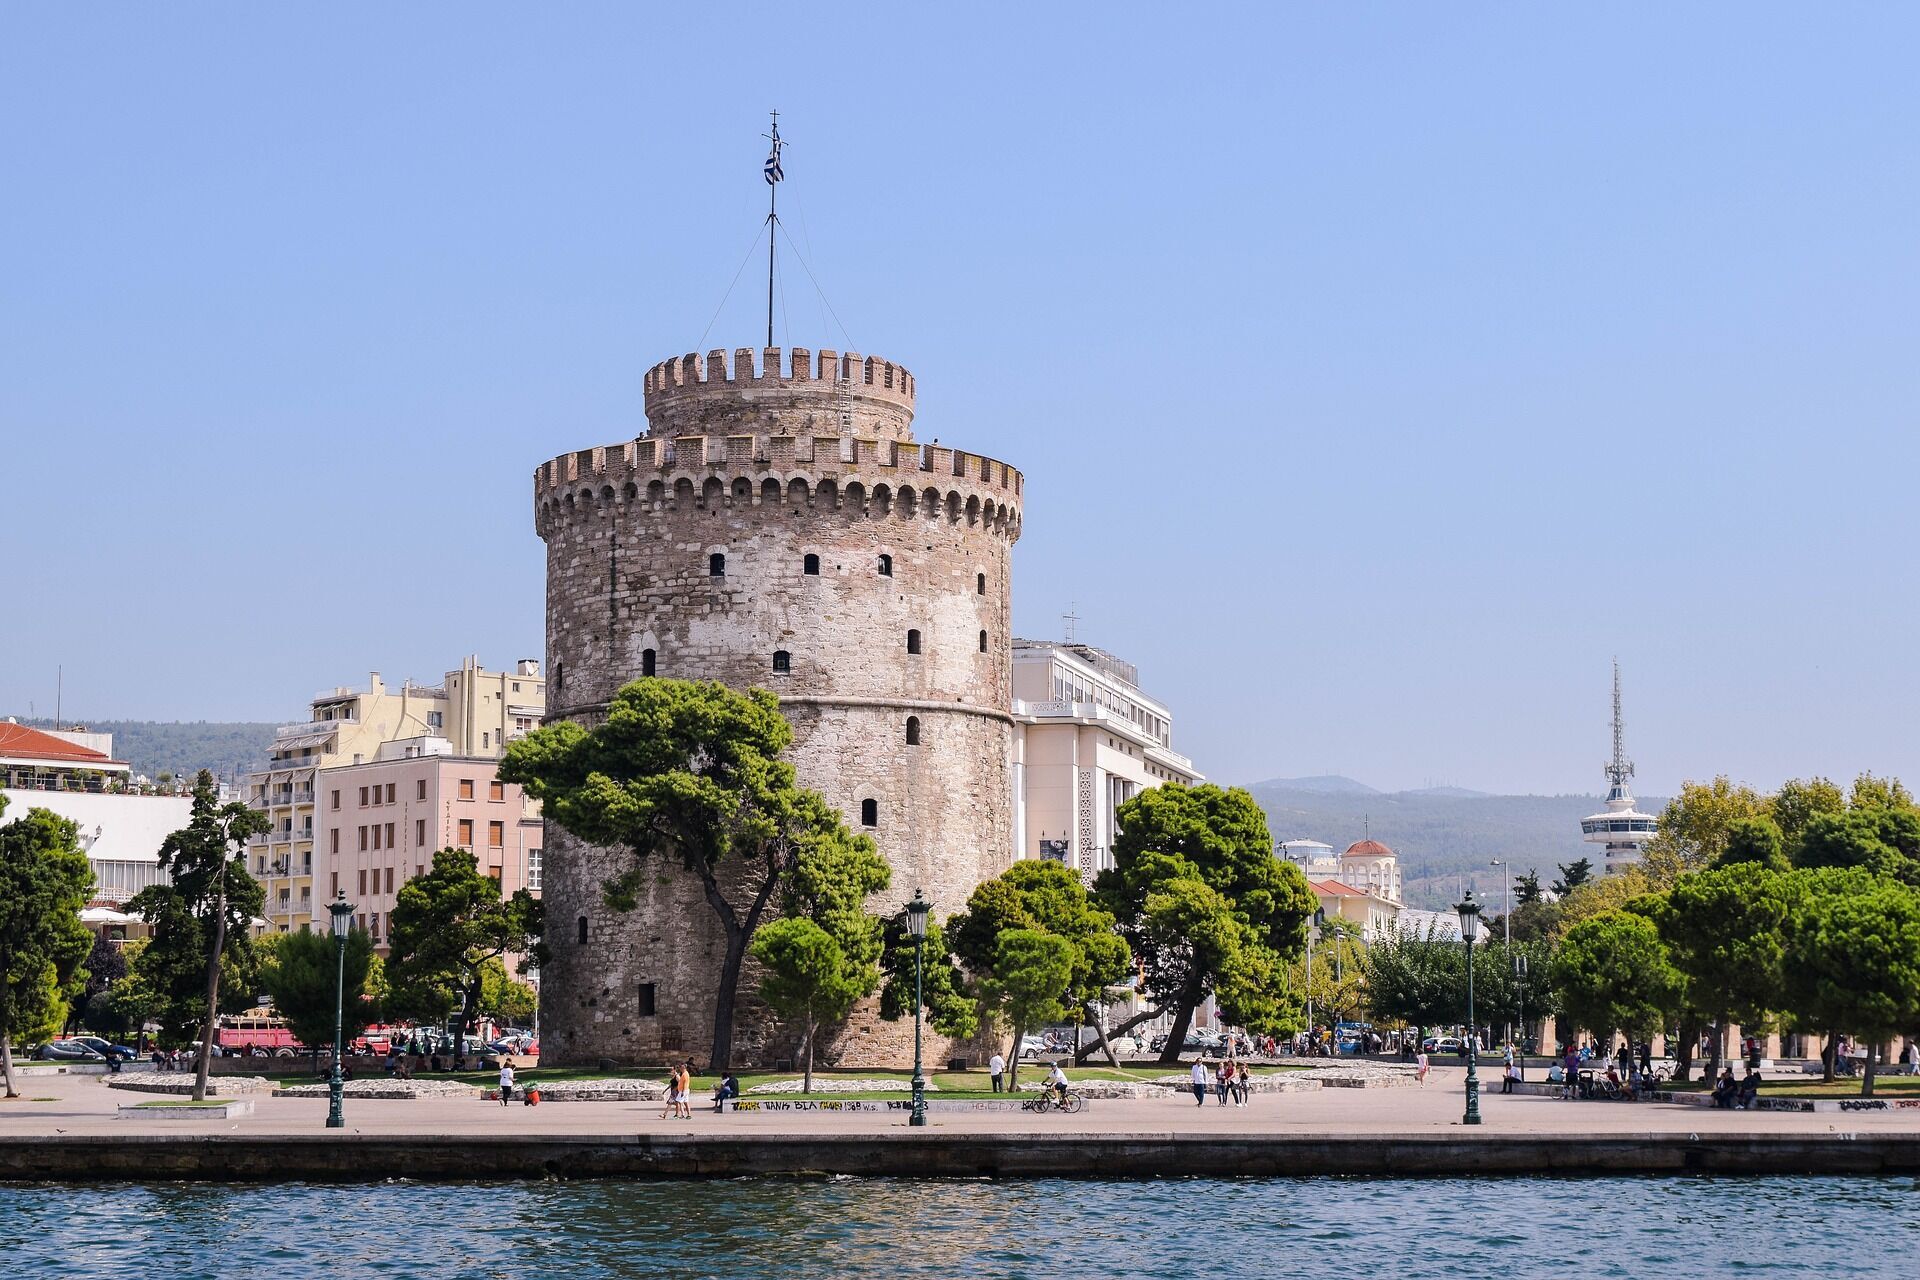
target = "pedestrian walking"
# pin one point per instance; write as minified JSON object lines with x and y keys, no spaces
{"x":506,"y":1081}
{"x":1421,"y":1065}
{"x":1200,"y":1081}
{"x":686,"y":1091}
{"x":997,"y":1068}
{"x":1223,"y":1080}
{"x":1570,"y":1074}
{"x":1242,"y":1081}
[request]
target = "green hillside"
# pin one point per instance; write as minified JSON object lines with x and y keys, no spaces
{"x":1445,"y":838}
{"x":154,"y":747}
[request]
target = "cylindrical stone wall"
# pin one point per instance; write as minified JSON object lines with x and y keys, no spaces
{"x":832,"y":552}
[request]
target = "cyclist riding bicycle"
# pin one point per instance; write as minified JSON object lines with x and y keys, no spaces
{"x":1057,"y":1083}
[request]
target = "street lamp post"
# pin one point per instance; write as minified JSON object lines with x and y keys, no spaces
{"x":342,"y":912}
{"x":1520,"y":981}
{"x":1506,"y":923}
{"x":1469,"y":931}
{"x":1313,"y":931}
{"x":917,"y":926}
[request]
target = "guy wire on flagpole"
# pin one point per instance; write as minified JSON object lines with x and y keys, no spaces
{"x":774,"y":175}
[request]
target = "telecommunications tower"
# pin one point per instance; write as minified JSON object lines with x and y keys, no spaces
{"x":1623,"y":829}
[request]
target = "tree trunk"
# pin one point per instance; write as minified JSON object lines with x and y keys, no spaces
{"x":1829,"y":1054}
{"x":1177,"y":1033}
{"x":1866,"y":1074}
{"x":204,"y":1058}
{"x":739,"y":935}
{"x":1106,"y":1046}
{"x":6,"y":1065}
{"x":469,"y":1011}
{"x":1013,"y":1059}
{"x":806,"y":1050}
{"x":1681,"y":1047}
{"x":1081,"y":1055}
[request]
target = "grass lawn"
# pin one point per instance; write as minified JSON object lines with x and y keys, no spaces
{"x":950,"y":1084}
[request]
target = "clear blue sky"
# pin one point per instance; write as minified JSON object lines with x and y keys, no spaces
{"x":1378,"y":371}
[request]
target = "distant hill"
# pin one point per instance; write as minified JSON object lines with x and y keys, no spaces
{"x":1445,"y":836}
{"x":154,"y":747}
{"x":1324,"y":784}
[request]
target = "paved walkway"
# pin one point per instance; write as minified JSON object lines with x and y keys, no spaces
{"x":85,"y":1105}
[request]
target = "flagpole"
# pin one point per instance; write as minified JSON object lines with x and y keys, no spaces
{"x":773,"y":218}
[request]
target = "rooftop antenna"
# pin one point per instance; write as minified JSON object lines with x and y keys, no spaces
{"x":1622,"y":768}
{"x":59,"y":692}
{"x":1070,"y":618}
{"x":774,"y":175}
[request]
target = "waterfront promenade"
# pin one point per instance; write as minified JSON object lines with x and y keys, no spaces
{"x":75,"y":1129}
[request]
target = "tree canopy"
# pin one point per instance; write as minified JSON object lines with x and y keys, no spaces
{"x":447,"y":926}
{"x":1036,"y":897}
{"x":1722,"y":930}
{"x":688,"y":773}
{"x":44,"y":883}
{"x":1572,"y":876}
{"x":1417,"y":977}
{"x":1852,"y":956}
{"x":299,"y":972}
{"x":825,"y":953}
{"x":202,"y":921}
{"x":1612,"y":972}
{"x":1206,"y":907}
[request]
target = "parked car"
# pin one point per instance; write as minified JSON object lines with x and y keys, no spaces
{"x":68,"y":1051}
{"x":1033,"y":1047}
{"x":1126,"y":1046}
{"x":1442,"y":1044}
{"x":106,"y":1048}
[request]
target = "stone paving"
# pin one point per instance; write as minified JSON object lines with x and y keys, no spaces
{"x":56,"y":1105}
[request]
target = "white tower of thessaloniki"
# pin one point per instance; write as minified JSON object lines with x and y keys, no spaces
{"x":778,"y":526}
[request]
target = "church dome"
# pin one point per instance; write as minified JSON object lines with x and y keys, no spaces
{"x":1367,"y":849}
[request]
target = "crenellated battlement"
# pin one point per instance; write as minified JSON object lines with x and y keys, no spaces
{"x":863,"y":476}
{"x":795,"y":390}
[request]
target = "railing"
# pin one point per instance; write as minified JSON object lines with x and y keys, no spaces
{"x":312,"y":726}
{"x":1172,"y":756}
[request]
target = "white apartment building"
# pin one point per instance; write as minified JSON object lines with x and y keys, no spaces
{"x":73,"y":773}
{"x":1086,"y":739}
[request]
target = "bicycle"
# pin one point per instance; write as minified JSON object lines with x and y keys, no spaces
{"x":1048,"y":1100}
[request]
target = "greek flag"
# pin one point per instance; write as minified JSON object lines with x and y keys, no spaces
{"x":773,"y":167}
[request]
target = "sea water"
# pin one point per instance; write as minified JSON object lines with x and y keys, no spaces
{"x":1182,"y":1229}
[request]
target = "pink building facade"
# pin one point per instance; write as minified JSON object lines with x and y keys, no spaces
{"x":381,"y":823}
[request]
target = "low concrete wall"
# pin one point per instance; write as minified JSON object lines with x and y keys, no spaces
{"x":366,"y":1157}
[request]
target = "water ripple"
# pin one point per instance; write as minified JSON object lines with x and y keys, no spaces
{"x":1176,"y":1229}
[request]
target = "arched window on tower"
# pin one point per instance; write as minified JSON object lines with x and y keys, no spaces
{"x":983,"y":642}
{"x":581,"y":926}
{"x":811,"y":565}
{"x":913,"y":731}
{"x":886,"y":565}
{"x":717,"y":565}
{"x":979,"y":584}
{"x":913,"y":641}
{"x":782,"y":662}
{"x":869,"y":813}
{"x":646,"y":662}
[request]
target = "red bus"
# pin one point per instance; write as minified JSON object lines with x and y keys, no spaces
{"x":256,"y":1035}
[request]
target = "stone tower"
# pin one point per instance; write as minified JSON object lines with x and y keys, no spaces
{"x":778,"y":526}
